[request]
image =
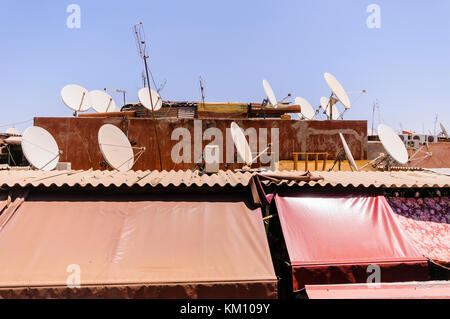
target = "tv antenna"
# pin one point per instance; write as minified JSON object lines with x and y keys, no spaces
{"x":161,"y":87}
{"x":202,"y":89}
{"x":374,"y":107}
{"x":435,"y":123}
{"x":144,"y":80}
{"x":123,"y":92}
{"x":142,"y":48}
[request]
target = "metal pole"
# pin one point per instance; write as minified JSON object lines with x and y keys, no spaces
{"x":331,"y":113}
{"x":153,"y":114}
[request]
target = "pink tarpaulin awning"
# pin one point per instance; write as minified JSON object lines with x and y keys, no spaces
{"x":404,"y":290}
{"x":335,"y":239}
{"x":134,"y":246}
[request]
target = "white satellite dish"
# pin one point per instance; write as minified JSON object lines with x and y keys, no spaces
{"x":242,"y":147}
{"x":348,"y":154}
{"x":444,"y":131}
{"x":116,"y":148}
{"x":269,"y":93}
{"x":40,"y":148}
{"x":76,"y":98}
{"x":102,"y":102}
{"x":306,"y":110}
{"x":241,"y":144}
{"x":338,"y":90}
{"x":144,"y":98}
{"x":392,"y":144}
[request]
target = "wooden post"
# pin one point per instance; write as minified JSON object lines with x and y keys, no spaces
{"x":325,"y":158}
{"x":306,"y":162}
{"x":295,"y":161}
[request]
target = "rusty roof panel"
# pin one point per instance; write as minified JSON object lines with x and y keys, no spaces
{"x":95,"y":178}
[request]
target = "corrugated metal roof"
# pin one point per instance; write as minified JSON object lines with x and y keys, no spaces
{"x":443,"y":171}
{"x":23,"y":178}
{"x":130,"y":178}
{"x":393,"y":179}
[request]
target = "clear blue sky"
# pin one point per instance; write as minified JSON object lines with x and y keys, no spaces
{"x":233,"y":45}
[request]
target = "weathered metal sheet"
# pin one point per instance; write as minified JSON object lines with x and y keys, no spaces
{"x":77,"y":138}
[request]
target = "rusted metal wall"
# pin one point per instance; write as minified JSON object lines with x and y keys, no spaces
{"x":77,"y":138}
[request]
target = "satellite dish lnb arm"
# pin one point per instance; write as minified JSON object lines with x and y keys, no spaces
{"x":282,"y":100}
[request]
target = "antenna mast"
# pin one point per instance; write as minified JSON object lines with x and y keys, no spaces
{"x":202,"y":90}
{"x":376,"y":106}
{"x":144,"y":80}
{"x":435,"y":123}
{"x":138,"y":28}
{"x":373,"y":116}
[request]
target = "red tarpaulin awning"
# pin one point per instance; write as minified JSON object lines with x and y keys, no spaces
{"x":403,"y":290}
{"x":134,"y":246}
{"x":335,"y":239}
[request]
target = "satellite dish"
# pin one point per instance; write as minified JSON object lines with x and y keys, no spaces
{"x":102,"y":102}
{"x":241,"y":143}
{"x":444,"y":131}
{"x":338,"y":90}
{"x":116,"y":148}
{"x":392,"y":144}
{"x":270,"y":94}
{"x":306,"y":109}
{"x":348,"y":154}
{"x":40,"y":148}
{"x":12,"y":131}
{"x":76,"y":98}
{"x":144,"y":98}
